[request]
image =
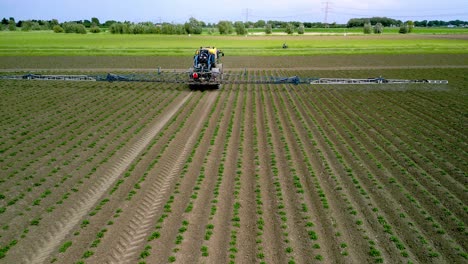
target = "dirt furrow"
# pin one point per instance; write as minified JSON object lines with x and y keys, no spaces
{"x":426,"y":187}
{"x":298,"y":248}
{"x":138,"y":228}
{"x":379,"y":201}
{"x":98,"y":218}
{"x":413,"y":209}
{"x":322,"y":218}
{"x":248,"y":217}
{"x":418,"y":109}
{"x":446,"y":187}
{"x":272,"y":246}
{"x":198,"y":217}
{"x":40,"y":250}
{"x":341,"y":197}
{"x":222,"y":220}
{"x":71,"y":169}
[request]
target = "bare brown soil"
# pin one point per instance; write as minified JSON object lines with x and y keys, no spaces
{"x":239,"y":62}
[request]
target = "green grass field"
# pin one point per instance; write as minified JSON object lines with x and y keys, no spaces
{"x":52,"y":44}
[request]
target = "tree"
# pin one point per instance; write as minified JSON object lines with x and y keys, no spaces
{"x":240,"y":28}
{"x":300,"y":29}
{"x":410,"y":25}
{"x":268,"y":29}
{"x":118,"y":28}
{"x":367,"y":28}
{"x":26,"y":25}
{"x":109,"y":23}
{"x":403,"y":29}
{"x":86,"y":23}
{"x":94,"y":29}
{"x":211,"y":31}
{"x":289,"y":28}
{"x":260,"y":24}
{"x":420,"y":23}
{"x":249,"y":24}
{"x":73,"y":27}
{"x":95,"y":21}
{"x":53,"y":23}
{"x":4,"y":21}
{"x":11,"y":24}
{"x":359,"y":22}
{"x":225,"y":27}
{"x":168,"y":29}
{"x":378,"y":28}
{"x":57,"y":29}
{"x":193,"y":26}
{"x":179,"y":29}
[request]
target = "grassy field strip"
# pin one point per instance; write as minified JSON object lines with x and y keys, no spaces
{"x":44,"y":44}
{"x":45,"y":248}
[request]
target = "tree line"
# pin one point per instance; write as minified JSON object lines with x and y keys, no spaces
{"x":389,"y":22}
{"x":194,"y":26}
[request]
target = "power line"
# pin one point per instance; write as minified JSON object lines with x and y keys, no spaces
{"x":246,"y":12}
{"x":399,"y":10}
{"x":326,"y":9}
{"x":401,"y":16}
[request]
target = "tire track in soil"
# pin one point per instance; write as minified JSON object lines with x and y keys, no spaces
{"x":112,"y":133}
{"x":135,"y":234}
{"x":43,"y":248}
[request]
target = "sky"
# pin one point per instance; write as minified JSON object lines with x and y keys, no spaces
{"x":179,"y":11}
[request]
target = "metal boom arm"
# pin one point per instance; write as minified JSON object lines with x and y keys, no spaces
{"x":181,"y":77}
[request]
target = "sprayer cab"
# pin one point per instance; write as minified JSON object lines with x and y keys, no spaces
{"x":207,"y":69}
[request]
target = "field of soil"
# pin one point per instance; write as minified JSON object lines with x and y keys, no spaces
{"x":140,"y":63}
{"x":98,"y":172}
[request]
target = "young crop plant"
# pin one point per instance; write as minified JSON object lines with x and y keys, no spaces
{"x":65,"y":246}
{"x":235,"y":219}
{"x":258,"y":193}
{"x":338,"y":156}
{"x":413,"y":182}
{"x":47,"y":192}
{"x":387,"y":228}
{"x":268,"y":124}
{"x":209,"y":229}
